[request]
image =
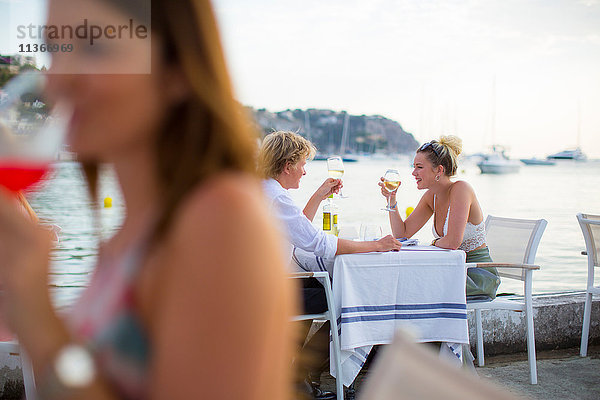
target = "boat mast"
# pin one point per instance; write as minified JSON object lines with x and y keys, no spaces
{"x":493,"y":113}
{"x":307,"y":124}
{"x":344,"y":134}
{"x":578,"y":124}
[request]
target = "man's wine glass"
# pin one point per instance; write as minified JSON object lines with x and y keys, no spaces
{"x":391,"y":181}
{"x":31,"y":131}
{"x":370,"y":232}
{"x":335,"y":166}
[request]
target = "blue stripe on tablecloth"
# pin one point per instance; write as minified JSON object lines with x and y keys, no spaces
{"x":398,"y":307}
{"x":391,"y":317}
{"x":362,"y":353}
{"x":455,"y":351}
{"x":357,"y":361}
{"x":384,"y":317}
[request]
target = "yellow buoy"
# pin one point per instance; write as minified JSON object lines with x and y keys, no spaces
{"x":107,"y":202}
{"x":409,"y":210}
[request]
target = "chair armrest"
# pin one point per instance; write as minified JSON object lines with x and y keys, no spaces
{"x":503,"y":265}
{"x":301,"y":274}
{"x":309,"y":274}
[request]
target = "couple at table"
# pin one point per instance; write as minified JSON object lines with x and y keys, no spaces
{"x":458,"y":218}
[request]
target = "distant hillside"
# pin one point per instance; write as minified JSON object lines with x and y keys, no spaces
{"x":366,"y":134}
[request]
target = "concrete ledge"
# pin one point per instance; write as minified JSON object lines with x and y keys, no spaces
{"x":557,"y":319}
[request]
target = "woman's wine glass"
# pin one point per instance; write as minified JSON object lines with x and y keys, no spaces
{"x":31,"y":131}
{"x":391,"y":181}
{"x":335,"y":166}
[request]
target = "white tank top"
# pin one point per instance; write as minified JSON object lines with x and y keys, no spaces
{"x":473,"y":237}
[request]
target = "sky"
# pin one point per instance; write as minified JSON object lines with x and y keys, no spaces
{"x":14,"y":13}
{"x":436,"y":67}
{"x":521,"y":73}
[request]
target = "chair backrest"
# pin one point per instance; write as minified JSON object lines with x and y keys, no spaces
{"x":590,"y":226}
{"x":512,"y":240}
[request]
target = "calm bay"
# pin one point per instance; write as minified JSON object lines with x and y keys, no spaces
{"x":556,"y":193}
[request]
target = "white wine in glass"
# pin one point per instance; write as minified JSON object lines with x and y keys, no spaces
{"x":391,"y":185}
{"x":335,"y":166}
{"x":391,"y":182}
{"x":336,"y":174}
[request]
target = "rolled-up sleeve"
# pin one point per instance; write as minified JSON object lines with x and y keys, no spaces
{"x":301,"y":232}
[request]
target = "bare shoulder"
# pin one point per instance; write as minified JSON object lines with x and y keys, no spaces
{"x":221,"y":241}
{"x":230,"y":205}
{"x":229,"y":191}
{"x":462,"y":185}
{"x":225,"y":222}
{"x":428,"y":198}
{"x":462,"y":188}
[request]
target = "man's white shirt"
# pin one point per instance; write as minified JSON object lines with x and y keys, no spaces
{"x":296,"y":227}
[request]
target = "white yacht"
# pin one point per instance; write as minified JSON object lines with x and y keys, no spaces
{"x":574,"y":154}
{"x":497,"y":162}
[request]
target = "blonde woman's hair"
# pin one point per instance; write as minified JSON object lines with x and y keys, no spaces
{"x":282,"y":147}
{"x":444,"y":152}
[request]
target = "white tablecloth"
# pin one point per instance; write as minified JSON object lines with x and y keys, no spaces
{"x":375,"y":293}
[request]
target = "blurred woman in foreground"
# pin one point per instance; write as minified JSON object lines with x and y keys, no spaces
{"x":189,"y":299}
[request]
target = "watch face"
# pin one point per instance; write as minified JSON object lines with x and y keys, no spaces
{"x":75,"y":366}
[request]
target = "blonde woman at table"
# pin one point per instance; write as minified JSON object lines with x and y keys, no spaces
{"x":458,"y":221}
{"x":190,"y":298}
{"x":281,"y":162}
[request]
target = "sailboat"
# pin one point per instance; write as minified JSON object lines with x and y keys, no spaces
{"x":343,"y":144}
{"x":497,"y":162}
{"x":345,"y":139}
{"x":572,"y":154}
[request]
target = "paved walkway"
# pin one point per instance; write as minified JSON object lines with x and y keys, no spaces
{"x":562,"y":375}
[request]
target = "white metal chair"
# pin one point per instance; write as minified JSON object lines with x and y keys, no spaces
{"x":590,"y":226}
{"x":330,"y":316}
{"x":13,"y":348}
{"x":513,"y":244}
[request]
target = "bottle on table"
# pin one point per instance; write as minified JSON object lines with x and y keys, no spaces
{"x":330,"y":217}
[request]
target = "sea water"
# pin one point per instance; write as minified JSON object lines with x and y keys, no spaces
{"x":556,"y":193}
{"x":63,"y":200}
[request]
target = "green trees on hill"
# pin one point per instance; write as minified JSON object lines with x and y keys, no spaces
{"x":5,"y":76}
{"x":5,"y":70}
{"x":365,"y":133}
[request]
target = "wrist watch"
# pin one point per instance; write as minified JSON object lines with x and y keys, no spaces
{"x":72,"y":368}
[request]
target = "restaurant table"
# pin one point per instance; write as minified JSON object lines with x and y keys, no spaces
{"x":376,"y":293}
